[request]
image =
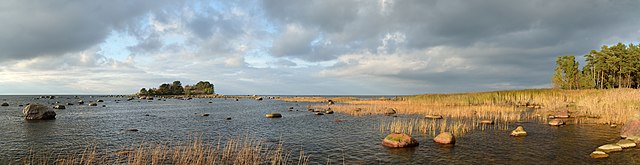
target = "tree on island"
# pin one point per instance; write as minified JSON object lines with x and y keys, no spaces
{"x":617,"y":66}
{"x":175,"y":88}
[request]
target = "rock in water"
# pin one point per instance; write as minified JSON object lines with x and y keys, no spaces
{"x":399,"y":140}
{"x":5,"y":104}
{"x":519,"y":131}
{"x":433,"y":116}
{"x":59,"y":107}
{"x":38,"y":112}
{"x":626,"y":143}
{"x":259,"y":98}
{"x":445,"y":138}
{"x":631,"y":128}
{"x":93,"y":104}
{"x":563,"y":114}
{"x":273,"y":115}
{"x":486,"y":121}
{"x":329,"y":112}
{"x":599,"y":154}
{"x":609,"y":148}
{"x":556,"y":122}
{"x":389,"y":111}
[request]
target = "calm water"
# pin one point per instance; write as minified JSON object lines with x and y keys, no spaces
{"x":356,"y":140}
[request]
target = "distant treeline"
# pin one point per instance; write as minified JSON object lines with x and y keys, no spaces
{"x":175,"y":88}
{"x":617,"y":66}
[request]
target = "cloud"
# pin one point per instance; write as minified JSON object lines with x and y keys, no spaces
{"x":31,"y":29}
{"x":301,"y":47}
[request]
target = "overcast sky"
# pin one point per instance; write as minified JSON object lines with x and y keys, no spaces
{"x":300,"y":47}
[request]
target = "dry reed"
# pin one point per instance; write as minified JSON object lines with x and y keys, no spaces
{"x":239,"y":150}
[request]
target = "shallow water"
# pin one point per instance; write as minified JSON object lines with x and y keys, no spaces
{"x":357,"y":140}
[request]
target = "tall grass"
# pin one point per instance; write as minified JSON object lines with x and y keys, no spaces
{"x":601,"y":106}
{"x":239,"y":150}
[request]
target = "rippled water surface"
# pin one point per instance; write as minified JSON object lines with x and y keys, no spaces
{"x":357,"y":140}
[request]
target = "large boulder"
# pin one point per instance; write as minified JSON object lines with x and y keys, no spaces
{"x":519,"y":131}
{"x":632,"y":128}
{"x":38,"y":112}
{"x":445,"y":138}
{"x":399,"y":140}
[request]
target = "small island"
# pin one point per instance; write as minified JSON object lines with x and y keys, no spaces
{"x":175,"y":88}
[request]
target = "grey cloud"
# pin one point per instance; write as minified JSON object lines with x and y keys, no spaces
{"x":34,"y":28}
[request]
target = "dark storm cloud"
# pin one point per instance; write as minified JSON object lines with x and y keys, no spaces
{"x":34,"y":28}
{"x":505,"y":23}
{"x":503,"y":42}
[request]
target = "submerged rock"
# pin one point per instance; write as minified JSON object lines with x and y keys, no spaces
{"x":38,"y":112}
{"x":445,"y":138}
{"x":399,"y":140}
{"x":519,"y":131}
{"x":599,"y":154}
{"x":609,"y":148}
{"x":273,"y":115}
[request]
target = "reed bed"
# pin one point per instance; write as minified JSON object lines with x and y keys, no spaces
{"x":240,"y":150}
{"x":593,"y":106}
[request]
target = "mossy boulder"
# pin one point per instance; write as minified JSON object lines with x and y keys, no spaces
{"x":519,"y":131}
{"x":399,"y":140}
{"x":445,"y":138}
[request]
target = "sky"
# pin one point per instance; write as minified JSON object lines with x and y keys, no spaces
{"x":293,"y":47}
